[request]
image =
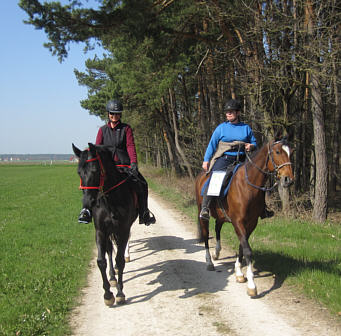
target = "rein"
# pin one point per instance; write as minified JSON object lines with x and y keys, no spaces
{"x":271,"y":173}
{"x":102,"y":178}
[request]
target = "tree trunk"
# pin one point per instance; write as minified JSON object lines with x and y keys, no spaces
{"x":176,"y":135}
{"x":335,"y":166}
{"x":321,"y":178}
{"x":321,"y":187}
{"x":167,"y":135}
{"x":284,"y":195}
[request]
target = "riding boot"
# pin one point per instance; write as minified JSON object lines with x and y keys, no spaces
{"x":85,"y":216}
{"x":145,"y":215}
{"x":266,"y":213}
{"x":205,"y":211}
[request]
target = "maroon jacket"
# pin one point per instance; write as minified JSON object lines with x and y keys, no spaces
{"x":129,"y":139}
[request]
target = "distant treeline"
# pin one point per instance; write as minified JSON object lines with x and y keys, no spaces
{"x":36,"y":157}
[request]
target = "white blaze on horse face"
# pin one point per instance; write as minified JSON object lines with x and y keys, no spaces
{"x":287,"y":150}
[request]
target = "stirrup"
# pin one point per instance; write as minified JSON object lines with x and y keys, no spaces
{"x":147,"y":218}
{"x":205,"y":213}
{"x":85,"y":216}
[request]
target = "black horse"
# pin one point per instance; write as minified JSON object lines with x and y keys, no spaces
{"x":107,"y":192}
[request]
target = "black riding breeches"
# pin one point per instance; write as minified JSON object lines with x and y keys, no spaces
{"x":140,"y":185}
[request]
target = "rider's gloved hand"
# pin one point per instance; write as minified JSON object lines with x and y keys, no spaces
{"x":133,"y":169}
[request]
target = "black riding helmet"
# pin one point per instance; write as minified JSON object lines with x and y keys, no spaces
{"x":232,"y":104}
{"x":114,"y":106}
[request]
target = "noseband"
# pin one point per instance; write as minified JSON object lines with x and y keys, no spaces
{"x":271,"y":173}
{"x":101,"y":178}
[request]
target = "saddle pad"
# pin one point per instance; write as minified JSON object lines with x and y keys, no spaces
{"x":225,"y":190}
{"x":216,"y":181}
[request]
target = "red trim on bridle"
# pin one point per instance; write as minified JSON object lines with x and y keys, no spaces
{"x":102,"y":177}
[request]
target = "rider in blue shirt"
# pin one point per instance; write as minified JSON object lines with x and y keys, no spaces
{"x":229,"y":131}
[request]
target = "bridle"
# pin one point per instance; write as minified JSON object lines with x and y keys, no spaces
{"x":273,"y":173}
{"x":101,"y":178}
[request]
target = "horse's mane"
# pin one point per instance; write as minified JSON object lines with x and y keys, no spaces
{"x":253,"y":154}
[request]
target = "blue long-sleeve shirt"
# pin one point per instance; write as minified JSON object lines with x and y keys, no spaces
{"x":228,"y":132}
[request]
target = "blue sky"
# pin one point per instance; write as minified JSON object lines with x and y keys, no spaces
{"x":40,"y":98}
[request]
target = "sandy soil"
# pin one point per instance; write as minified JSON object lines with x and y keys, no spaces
{"x":169,"y":292}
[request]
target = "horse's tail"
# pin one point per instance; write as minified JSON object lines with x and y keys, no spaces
{"x":198,"y":185}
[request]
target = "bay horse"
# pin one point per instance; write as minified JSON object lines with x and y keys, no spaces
{"x":107,"y":193}
{"x":245,"y":202}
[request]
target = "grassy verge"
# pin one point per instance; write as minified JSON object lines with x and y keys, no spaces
{"x":301,"y":254}
{"x":44,"y":252}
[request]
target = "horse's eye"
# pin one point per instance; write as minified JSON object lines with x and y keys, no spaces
{"x":277,"y":151}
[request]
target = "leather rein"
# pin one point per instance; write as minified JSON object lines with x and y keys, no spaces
{"x":102,"y":178}
{"x":271,"y":173}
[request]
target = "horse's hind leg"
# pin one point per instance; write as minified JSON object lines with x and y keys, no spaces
{"x":112,"y":280}
{"x":238,"y":266}
{"x":204,"y":237}
{"x":120,"y":263}
{"x":127,"y":251}
{"x":101,"y":242}
{"x":218,"y":225}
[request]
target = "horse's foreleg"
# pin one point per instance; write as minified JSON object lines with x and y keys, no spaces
{"x":204,"y":237}
{"x":101,"y":243}
{"x":247,"y":252}
{"x":218,"y":225}
{"x":251,"y":286}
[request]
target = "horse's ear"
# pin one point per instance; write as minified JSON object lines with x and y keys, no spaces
{"x":92,"y":148}
{"x":278,"y":135}
{"x":76,"y":150}
{"x":285,"y":140}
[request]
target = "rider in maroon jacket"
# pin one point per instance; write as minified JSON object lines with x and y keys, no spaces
{"x":120,"y":136}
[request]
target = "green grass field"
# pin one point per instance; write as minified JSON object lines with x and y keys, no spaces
{"x":44,"y":251}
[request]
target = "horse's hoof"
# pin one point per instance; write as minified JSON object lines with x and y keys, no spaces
{"x":113,"y":283}
{"x":109,"y":302}
{"x":127,"y":259}
{"x":210,"y":267}
{"x":252,"y":292}
{"x":240,"y":278}
{"x":120,"y":299}
{"x":216,"y":257}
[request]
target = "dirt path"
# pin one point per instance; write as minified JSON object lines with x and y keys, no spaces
{"x":169,"y":292}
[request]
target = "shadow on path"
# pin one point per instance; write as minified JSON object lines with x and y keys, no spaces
{"x":189,"y":276}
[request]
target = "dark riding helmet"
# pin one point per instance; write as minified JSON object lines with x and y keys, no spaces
{"x":114,"y":106}
{"x":232,"y":104}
